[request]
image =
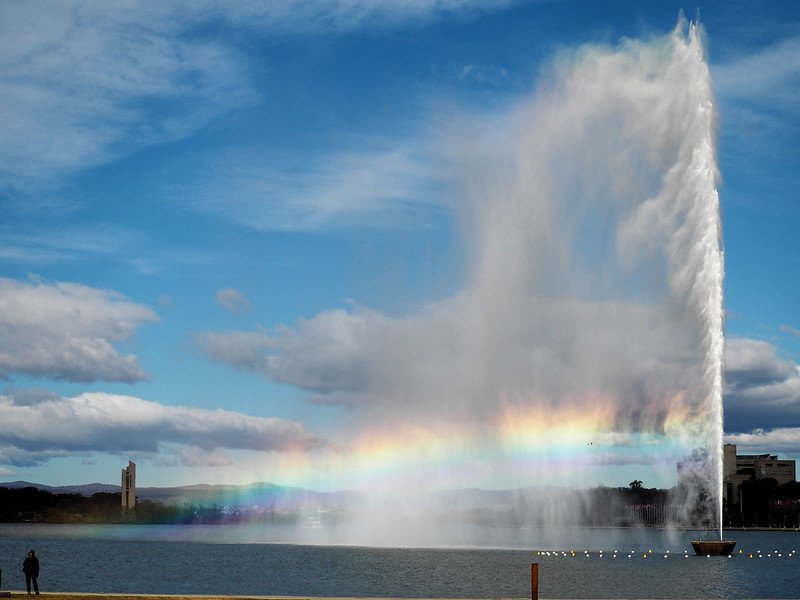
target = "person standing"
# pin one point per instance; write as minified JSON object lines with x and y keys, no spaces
{"x":30,"y":566}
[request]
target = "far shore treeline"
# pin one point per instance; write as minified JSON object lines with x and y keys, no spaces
{"x":32,"y":505}
{"x":767,"y":505}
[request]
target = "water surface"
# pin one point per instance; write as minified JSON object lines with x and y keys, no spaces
{"x":266,"y":560}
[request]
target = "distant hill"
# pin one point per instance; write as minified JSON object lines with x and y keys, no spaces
{"x":277,"y":496}
{"x":260,"y":494}
{"x":86,"y":489}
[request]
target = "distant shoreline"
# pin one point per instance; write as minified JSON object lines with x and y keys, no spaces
{"x":95,"y":595}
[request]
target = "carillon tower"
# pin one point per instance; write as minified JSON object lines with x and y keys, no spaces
{"x":129,"y":486}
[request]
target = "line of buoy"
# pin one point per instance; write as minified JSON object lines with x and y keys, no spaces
{"x":649,"y":552}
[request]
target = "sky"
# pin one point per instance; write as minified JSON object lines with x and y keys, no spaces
{"x":270,"y":242}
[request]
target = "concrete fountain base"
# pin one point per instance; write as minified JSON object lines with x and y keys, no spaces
{"x":721,"y":548}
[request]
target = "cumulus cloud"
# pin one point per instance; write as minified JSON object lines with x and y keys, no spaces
{"x":109,"y":423}
{"x":447,"y":358}
{"x":422,"y":363}
{"x":67,"y":331}
{"x":233,"y":300}
{"x":762,"y":388}
{"x":781,"y":440}
{"x":338,"y":351}
{"x":32,"y":396}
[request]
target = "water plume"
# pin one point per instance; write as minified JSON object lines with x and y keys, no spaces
{"x":595,"y":239}
{"x":586,"y":342}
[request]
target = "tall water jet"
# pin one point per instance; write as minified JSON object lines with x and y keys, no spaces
{"x":707,"y":291}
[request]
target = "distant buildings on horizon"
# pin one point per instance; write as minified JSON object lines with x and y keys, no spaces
{"x":738,"y":468}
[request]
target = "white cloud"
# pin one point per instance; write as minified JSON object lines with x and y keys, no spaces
{"x":469,"y":356}
{"x":756,"y":361}
{"x":359,"y":352}
{"x":233,"y":300}
{"x":397,"y":364}
{"x":62,"y":243}
{"x":346,"y":15}
{"x":109,"y":423}
{"x":67,"y":331}
{"x":383,"y":187}
{"x":771,"y":75}
{"x":790,"y":330}
{"x":758,"y":95}
{"x":240,"y":349}
{"x":762,"y":389}
{"x":85,"y":82}
{"x":483,"y":74}
{"x":781,"y":440}
{"x":12,"y":455}
{"x":192,"y":456}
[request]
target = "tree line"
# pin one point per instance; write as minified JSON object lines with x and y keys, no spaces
{"x":32,"y":505}
{"x":765,"y":503}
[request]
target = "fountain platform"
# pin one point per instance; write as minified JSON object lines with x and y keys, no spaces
{"x":713,"y":548}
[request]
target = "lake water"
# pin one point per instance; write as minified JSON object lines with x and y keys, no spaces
{"x":251,"y":559}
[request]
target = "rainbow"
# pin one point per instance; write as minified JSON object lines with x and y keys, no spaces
{"x":523,"y":444}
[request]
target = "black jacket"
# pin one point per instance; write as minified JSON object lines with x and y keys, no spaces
{"x":31,"y":566}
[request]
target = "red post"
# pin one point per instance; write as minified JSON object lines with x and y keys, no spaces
{"x":535,"y":581}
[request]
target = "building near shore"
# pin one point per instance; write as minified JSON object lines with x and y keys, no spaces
{"x":129,"y":486}
{"x":738,"y":468}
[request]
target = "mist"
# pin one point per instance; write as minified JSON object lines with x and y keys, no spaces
{"x":586,"y":340}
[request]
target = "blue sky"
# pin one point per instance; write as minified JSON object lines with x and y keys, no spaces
{"x":199,"y":199}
